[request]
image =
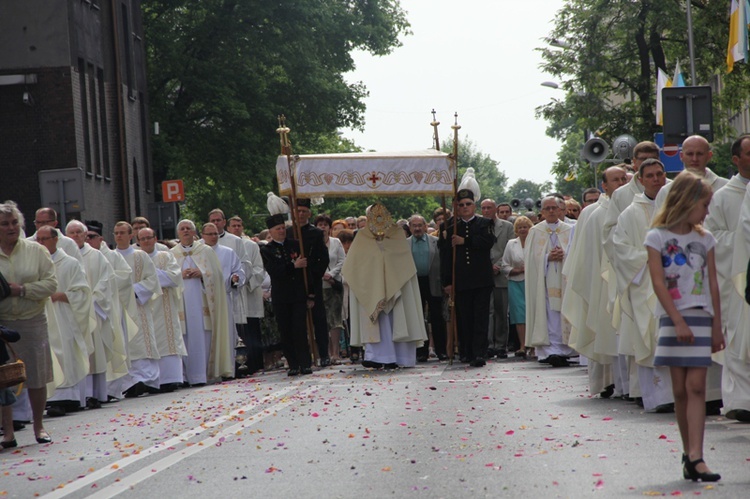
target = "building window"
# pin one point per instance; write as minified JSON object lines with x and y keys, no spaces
{"x":95,"y":126}
{"x":147,"y":170}
{"x":82,"y":79}
{"x":103,"y":124}
{"x":127,"y":35}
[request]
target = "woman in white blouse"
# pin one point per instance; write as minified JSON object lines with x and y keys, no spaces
{"x":333,"y":290}
{"x":514,"y":269}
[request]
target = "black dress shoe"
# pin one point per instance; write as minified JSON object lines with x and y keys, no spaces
{"x":442,"y":356}
{"x":135,"y":391}
{"x":639,"y":401}
{"x":544,"y":360}
{"x":664,"y":409}
{"x":713,"y":407}
{"x":478,"y":362}
{"x":372,"y":364}
{"x":168,"y":387}
{"x":421,"y":358}
{"x":740,"y":415}
{"x":558,"y":361}
{"x":92,"y":403}
{"x":608,"y":392}
{"x":18,"y":425}
{"x":293,"y":371}
{"x":502,"y":354}
{"x":325,"y":362}
{"x":56,"y":411}
{"x":390,"y":366}
{"x":305,"y":370}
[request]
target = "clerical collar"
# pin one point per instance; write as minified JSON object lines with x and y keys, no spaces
{"x":554,"y":225}
{"x":126,"y":252}
{"x":280,"y":243}
{"x":222,"y":233}
{"x":186,"y":247}
{"x":469,"y":220}
{"x":744,"y":180}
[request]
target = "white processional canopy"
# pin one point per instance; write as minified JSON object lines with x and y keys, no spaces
{"x":427,"y":172}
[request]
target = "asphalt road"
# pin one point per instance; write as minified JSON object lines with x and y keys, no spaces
{"x":511,"y":429}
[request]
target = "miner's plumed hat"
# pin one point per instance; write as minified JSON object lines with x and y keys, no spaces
{"x":274,"y":220}
{"x":464,"y":194}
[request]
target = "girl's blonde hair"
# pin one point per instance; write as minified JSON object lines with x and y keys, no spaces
{"x":686,"y":190}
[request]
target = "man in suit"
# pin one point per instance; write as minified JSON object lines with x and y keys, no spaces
{"x":424,"y":250}
{"x":498,"y":332}
{"x":285,"y":266}
{"x":316,"y":252}
{"x":473,"y":242}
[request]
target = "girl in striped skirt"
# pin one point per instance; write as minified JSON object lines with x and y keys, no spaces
{"x":683,"y":270}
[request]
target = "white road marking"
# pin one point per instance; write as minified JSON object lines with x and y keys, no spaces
{"x":167,"y":444}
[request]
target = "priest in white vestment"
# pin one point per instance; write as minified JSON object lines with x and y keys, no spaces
{"x":252,"y":296}
{"x":108,"y":350}
{"x":637,"y":298}
{"x":165,"y":309}
{"x":142,"y":348}
{"x":584,"y":286}
{"x":69,"y":332}
{"x":544,"y":258}
{"x":729,"y":221}
{"x":384,"y":300}
{"x":205,"y":312}
{"x":233,"y":242}
{"x":47,"y":217}
{"x":234,"y":278}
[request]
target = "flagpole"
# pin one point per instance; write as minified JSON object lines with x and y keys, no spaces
{"x":452,"y":330}
{"x":286,"y":149}
{"x":691,"y":48}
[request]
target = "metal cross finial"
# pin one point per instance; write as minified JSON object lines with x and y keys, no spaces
{"x":283,"y":132}
{"x":435,"y":124}
{"x":455,"y":126}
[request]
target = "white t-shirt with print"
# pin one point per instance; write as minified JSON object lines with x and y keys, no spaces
{"x":684,"y":260}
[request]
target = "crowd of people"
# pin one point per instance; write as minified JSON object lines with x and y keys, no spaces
{"x":586,"y":284}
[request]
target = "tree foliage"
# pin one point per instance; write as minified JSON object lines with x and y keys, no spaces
{"x":221,"y":71}
{"x":608,"y":68}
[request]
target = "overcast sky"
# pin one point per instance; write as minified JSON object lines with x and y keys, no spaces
{"x":474,"y":57}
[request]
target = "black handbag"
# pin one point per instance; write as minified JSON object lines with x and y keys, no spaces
{"x":337,"y":286}
{"x":4,"y":287}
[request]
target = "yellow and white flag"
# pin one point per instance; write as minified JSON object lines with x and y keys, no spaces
{"x":662,"y":81}
{"x":738,"y":24}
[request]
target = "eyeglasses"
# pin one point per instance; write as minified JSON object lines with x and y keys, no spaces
{"x":41,"y":222}
{"x":210,"y":234}
{"x":92,"y":236}
{"x":464,"y":204}
{"x":550,"y":208}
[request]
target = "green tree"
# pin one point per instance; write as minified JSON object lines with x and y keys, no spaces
{"x":526,"y":189}
{"x":220,"y":71}
{"x":492,"y":181}
{"x":609,"y":66}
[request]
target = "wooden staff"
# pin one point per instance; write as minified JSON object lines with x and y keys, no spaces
{"x":452,"y":330}
{"x":286,"y":149}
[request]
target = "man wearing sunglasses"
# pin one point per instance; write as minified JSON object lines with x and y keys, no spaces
{"x":472,"y":240}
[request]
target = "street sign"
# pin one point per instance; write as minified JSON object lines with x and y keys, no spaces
{"x":62,"y":190}
{"x":687,"y":111}
{"x":172,"y":191}
{"x":669,"y":154}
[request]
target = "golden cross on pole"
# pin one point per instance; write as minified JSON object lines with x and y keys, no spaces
{"x":435,"y":124}
{"x":283,"y":131}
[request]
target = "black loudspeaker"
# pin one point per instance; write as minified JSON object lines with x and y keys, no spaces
{"x":595,"y":150}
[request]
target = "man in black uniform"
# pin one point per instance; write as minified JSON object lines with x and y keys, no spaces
{"x":317,"y":258}
{"x":282,"y":261}
{"x":473,"y":241}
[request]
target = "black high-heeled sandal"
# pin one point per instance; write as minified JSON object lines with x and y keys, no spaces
{"x":9,"y":444}
{"x":685,"y":472}
{"x":695,"y":475}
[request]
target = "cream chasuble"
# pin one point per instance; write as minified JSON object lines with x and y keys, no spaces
{"x":214,"y":306}
{"x":166,"y":308}
{"x":146,"y":290}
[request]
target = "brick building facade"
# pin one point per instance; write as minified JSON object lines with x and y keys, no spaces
{"x":73,"y":96}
